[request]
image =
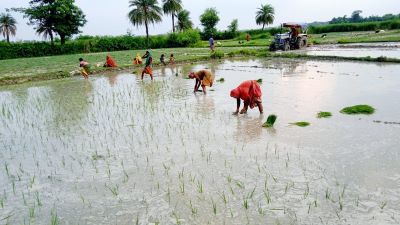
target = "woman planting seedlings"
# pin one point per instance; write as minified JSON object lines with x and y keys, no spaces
{"x":203,"y":78}
{"x":250,"y":92}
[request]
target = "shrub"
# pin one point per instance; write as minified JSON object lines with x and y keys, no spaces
{"x":184,"y":39}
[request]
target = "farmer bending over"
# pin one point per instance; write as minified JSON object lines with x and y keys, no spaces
{"x":110,"y":62}
{"x":203,"y":78}
{"x":85,"y":71}
{"x":250,"y":92}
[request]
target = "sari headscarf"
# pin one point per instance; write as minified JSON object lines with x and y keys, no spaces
{"x":248,"y":91}
{"x":110,"y":61}
{"x":254,"y":94}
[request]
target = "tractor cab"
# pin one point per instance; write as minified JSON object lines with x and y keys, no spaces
{"x":296,"y":38}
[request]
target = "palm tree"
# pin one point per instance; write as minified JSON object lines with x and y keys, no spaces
{"x":265,"y":15}
{"x":46,"y":30}
{"x":184,"y":22}
{"x":7,"y":26}
{"x":172,"y":7}
{"x":144,"y":12}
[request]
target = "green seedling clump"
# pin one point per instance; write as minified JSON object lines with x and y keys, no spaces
{"x":217,"y":55}
{"x":221,"y":79}
{"x":301,"y":124}
{"x":324,"y":114}
{"x":358,"y":109}
{"x":259,"y":81}
{"x":270,"y":121}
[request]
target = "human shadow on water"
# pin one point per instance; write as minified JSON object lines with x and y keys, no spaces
{"x":249,"y":128}
{"x":204,"y":104}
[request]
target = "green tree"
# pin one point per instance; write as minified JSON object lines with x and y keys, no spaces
{"x":144,"y":12}
{"x":184,"y":22}
{"x":209,"y":19}
{"x":233,"y":27}
{"x":172,"y":7}
{"x":62,"y":17}
{"x":7,"y":26}
{"x":265,"y":15}
{"x":356,"y":16}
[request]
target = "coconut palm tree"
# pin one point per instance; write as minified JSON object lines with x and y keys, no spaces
{"x":46,"y":30}
{"x":7,"y":26}
{"x":144,"y":12}
{"x":184,"y":22}
{"x":265,"y":15}
{"x":172,"y":7}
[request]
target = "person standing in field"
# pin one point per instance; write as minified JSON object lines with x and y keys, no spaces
{"x":85,"y":68}
{"x":147,"y":68}
{"x":211,"y":43}
{"x":250,"y":92}
{"x":203,"y":78}
{"x":172,"y":59}
{"x":162,"y":60}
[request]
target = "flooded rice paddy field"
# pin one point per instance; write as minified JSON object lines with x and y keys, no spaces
{"x":387,"y":49}
{"x":115,"y":150}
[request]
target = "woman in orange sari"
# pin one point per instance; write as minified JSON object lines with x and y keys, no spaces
{"x":110,"y":62}
{"x":250,"y":92}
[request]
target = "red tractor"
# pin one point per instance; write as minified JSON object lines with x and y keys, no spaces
{"x":296,"y":38}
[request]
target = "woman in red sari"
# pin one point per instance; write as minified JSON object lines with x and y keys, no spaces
{"x":110,"y":62}
{"x":250,"y":92}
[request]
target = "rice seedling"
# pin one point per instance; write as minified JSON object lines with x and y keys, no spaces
{"x":38,"y":201}
{"x":358,"y":109}
{"x":301,"y":124}
{"x":193,"y":209}
{"x":54,"y":219}
{"x":260,"y":81}
{"x":32,"y":212}
{"x":214,"y":206}
{"x":200,"y":187}
{"x":245,"y":203}
{"x":221,"y":80}
{"x":224,"y":197}
{"x":383,"y":204}
{"x":270,"y":121}
{"x":114,"y":189}
{"x":324,"y":114}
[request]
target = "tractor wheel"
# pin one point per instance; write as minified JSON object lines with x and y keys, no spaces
{"x":272,"y":47}
{"x":286,"y":46}
{"x":301,"y":43}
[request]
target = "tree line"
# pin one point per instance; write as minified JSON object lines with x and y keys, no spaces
{"x":357,"y":18}
{"x":64,"y":19}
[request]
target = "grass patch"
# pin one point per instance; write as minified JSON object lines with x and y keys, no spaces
{"x":358,"y":109}
{"x":270,"y":121}
{"x":217,"y":55}
{"x":324,"y":114}
{"x":301,"y":124}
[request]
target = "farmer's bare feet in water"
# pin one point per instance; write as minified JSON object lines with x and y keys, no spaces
{"x":235,"y":113}
{"x":243,"y":111}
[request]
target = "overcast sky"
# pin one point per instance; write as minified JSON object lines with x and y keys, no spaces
{"x":109,"y":17}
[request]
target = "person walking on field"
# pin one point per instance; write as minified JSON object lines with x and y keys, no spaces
{"x":147,"y":68}
{"x":250,"y":92}
{"x":203,"y":78}
{"x":212,"y":44}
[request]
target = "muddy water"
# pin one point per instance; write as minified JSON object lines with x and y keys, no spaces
{"x":390,"y":50}
{"x":114,"y":150}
